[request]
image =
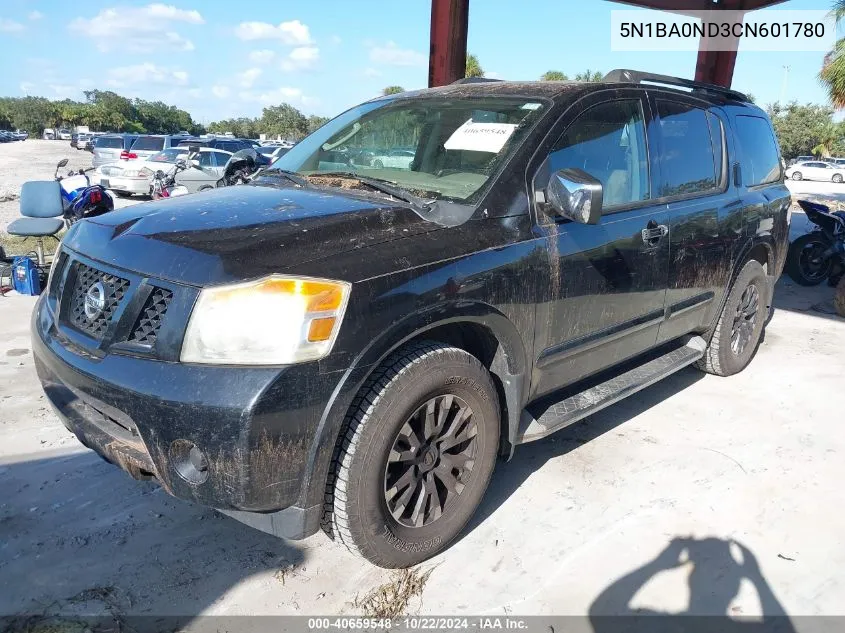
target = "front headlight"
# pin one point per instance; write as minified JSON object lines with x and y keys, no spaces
{"x":130,"y":173}
{"x":145,"y":173}
{"x":276,"y":320}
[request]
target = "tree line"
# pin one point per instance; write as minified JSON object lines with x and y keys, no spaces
{"x":283,"y":121}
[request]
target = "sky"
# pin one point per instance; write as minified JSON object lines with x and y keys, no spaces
{"x":219,"y":59}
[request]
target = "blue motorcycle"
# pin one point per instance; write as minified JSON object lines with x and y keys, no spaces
{"x":81,"y":199}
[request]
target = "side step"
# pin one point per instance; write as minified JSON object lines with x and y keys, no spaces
{"x":539,"y":421}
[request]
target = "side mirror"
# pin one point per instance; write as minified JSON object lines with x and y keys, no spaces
{"x":195,"y":163}
{"x":62,"y":163}
{"x":576,"y":195}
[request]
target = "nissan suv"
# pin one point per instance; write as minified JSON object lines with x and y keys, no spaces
{"x":347,"y":346}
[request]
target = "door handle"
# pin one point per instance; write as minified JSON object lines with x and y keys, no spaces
{"x":654,"y":232}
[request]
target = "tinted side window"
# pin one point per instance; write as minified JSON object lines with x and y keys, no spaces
{"x":687,"y":157}
{"x":608,"y":142}
{"x":221,"y":158}
{"x":760,"y":156}
{"x":205,"y":159}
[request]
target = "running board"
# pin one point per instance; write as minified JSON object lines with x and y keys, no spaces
{"x":560,"y":414}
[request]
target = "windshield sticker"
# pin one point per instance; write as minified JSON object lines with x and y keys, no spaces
{"x":480,"y":137}
{"x":531,"y":106}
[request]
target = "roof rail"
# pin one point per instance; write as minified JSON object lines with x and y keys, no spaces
{"x":623,"y":75}
{"x":473,"y":80}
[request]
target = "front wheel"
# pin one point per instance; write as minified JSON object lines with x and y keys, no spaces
{"x":797,"y":175}
{"x":415,"y":455}
{"x":805,"y":262}
{"x":837,"y":178}
{"x":740,"y":324}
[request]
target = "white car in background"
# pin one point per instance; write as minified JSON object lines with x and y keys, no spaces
{"x":135,"y":176}
{"x":816,"y":170}
{"x":394,"y":159}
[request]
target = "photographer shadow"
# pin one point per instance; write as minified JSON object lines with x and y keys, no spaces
{"x":715,"y":575}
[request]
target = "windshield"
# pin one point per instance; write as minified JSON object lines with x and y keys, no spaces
{"x":169,"y":155}
{"x":441,"y":148}
{"x":109,"y":142}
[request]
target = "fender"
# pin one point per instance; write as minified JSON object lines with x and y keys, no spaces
{"x":764,"y":239}
{"x":509,"y":365}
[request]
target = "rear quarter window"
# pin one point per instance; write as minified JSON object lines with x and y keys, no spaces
{"x":691,"y":153}
{"x":148,"y":144}
{"x":760,"y":157}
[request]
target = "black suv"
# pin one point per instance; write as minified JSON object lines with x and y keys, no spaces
{"x":351,"y":347}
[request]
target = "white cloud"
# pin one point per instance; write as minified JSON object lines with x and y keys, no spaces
{"x":248,"y":77}
{"x":35,"y":15}
{"x":262,"y":56}
{"x":10,"y":26}
{"x":220,"y":91}
{"x":371,"y":72}
{"x":137,"y":28}
{"x":392,"y":55}
{"x":27,"y":87}
{"x":293,"y":33}
{"x":300,"y":58}
{"x":146,"y":74}
{"x":282,"y":94}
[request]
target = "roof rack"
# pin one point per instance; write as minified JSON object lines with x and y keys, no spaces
{"x":623,"y":75}
{"x":473,"y":80}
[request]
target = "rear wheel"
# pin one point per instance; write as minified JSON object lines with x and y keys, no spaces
{"x":797,"y":175}
{"x":378,"y":164}
{"x":415,"y":455}
{"x":805,"y":263}
{"x":740,"y":324}
{"x":839,"y":298}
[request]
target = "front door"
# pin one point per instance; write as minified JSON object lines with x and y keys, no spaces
{"x":607,"y":281}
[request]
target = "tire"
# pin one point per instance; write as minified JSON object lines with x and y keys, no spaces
{"x":800,"y":258}
{"x":837,"y":178}
{"x":363,"y":510}
{"x":723,"y":357}
{"x":122,"y":194}
{"x":839,"y":298}
{"x":378,"y":164}
{"x":796,"y":175}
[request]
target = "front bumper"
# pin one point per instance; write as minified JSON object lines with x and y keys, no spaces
{"x":253,"y":426}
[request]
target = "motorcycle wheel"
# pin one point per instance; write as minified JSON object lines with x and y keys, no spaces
{"x":804,"y":263}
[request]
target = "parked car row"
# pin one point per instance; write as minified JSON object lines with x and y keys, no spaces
{"x":7,"y":136}
{"x":817,"y":170}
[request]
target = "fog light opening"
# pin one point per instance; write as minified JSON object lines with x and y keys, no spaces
{"x":189,"y":462}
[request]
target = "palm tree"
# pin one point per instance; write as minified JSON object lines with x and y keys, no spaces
{"x":473,"y":68}
{"x":392,"y":90}
{"x":589,"y":75}
{"x":553,"y":75}
{"x":832,"y":74}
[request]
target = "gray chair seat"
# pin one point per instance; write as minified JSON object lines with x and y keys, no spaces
{"x":35,"y":227}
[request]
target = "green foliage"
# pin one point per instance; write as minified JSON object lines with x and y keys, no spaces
{"x":282,"y":120}
{"x":103,"y":111}
{"x":473,"y":67}
{"x":315,"y":122}
{"x":589,"y":75}
{"x":553,"y":75}
{"x":806,"y":129}
{"x":392,"y":90}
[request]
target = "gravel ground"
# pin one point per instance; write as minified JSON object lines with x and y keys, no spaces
{"x":36,"y":160}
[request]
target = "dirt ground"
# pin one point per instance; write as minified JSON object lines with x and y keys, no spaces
{"x":36,"y":160}
{"x":575,"y":522}
{"x":699,"y":494}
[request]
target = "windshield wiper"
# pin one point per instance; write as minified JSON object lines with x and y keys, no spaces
{"x":384,"y":186}
{"x":285,"y":173}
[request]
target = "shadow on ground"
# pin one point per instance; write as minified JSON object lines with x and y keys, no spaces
{"x":78,"y":536}
{"x":716,"y":568}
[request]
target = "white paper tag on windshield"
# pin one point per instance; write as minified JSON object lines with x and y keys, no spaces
{"x":480,"y":137}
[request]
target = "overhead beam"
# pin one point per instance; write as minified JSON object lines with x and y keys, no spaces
{"x":448,"y":53}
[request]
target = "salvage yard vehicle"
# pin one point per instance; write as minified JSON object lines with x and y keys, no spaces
{"x":108,"y":148}
{"x":352,"y":348}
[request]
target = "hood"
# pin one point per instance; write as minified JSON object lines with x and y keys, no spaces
{"x":241,"y":232}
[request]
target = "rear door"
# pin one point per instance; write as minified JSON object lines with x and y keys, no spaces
{"x":694,"y":181}
{"x":608,"y":281}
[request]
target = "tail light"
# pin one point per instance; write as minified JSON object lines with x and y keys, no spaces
{"x":96,"y":196}
{"x":127,"y":155}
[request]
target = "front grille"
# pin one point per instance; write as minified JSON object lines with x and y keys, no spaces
{"x":114,"y":290}
{"x":147,"y":326}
